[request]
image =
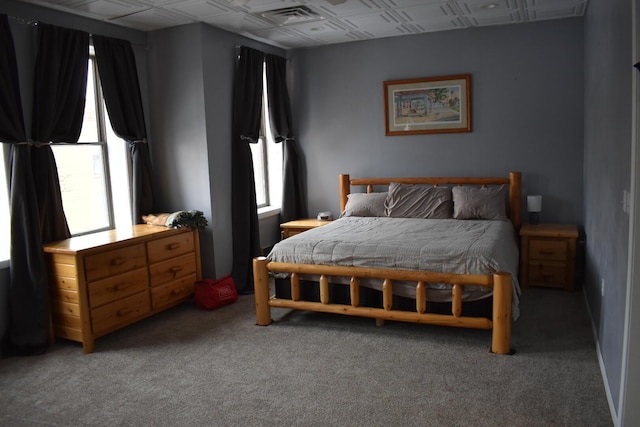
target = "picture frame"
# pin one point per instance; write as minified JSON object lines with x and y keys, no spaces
{"x":427,"y":105}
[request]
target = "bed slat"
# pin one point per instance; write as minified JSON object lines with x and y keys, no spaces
{"x":421,"y":298}
{"x":354,"y":289}
{"x":387,"y":294}
{"x":456,"y":300}
{"x":295,"y":287}
{"x":324,"y":289}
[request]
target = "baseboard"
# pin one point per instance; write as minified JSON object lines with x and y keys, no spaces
{"x":603,"y":371}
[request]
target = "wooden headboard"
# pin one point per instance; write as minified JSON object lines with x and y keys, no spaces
{"x":514,"y":181}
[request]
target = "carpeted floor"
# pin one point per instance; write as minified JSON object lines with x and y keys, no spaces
{"x":187,"y":367}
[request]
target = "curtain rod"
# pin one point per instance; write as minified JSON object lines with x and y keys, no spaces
{"x":34,"y":23}
{"x":24,"y":21}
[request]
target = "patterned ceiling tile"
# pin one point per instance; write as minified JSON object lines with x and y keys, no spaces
{"x":200,"y":9}
{"x":237,"y":22}
{"x":335,"y":21}
{"x":152,"y":19}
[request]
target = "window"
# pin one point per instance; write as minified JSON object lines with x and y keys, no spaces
{"x":88,"y":171}
{"x":267,"y":160}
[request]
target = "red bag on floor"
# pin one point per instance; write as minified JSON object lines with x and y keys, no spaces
{"x":210,"y":294}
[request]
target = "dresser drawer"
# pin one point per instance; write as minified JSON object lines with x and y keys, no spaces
{"x":172,"y":269}
{"x":548,"y":249}
{"x":170,"y":293}
{"x":112,"y":316}
{"x":115,"y":262}
{"x":112,"y":288}
{"x":547,"y":274}
{"x":169,"y":247}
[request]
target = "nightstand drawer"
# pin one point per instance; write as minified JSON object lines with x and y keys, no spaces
{"x":555,"y":250}
{"x":547,"y":274}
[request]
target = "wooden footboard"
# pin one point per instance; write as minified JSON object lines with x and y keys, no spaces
{"x":499,"y":282}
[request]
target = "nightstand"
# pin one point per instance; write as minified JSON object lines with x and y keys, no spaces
{"x":297,"y":226}
{"x":548,"y":255}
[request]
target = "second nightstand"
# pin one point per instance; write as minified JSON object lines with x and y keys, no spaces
{"x":548,"y":255}
{"x":294,"y":227}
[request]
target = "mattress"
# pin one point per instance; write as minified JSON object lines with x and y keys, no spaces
{"x":438,"y":245}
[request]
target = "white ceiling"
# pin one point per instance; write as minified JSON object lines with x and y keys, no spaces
{"x":333,"y":21}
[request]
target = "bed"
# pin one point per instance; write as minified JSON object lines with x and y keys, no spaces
{"x":401,"y":250}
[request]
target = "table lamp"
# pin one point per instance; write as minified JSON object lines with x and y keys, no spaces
{"x":534,"y":206}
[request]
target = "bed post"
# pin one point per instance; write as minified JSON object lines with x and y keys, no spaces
{"x":515,"y":199}
{"x":261,"y":290}
{"x":502,"y":295}
{"x":345,"y":189}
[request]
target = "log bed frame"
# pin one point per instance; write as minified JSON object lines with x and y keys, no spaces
{"x":501,"y":282}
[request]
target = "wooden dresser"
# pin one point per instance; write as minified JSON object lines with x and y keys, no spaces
{"x":104,"y":281}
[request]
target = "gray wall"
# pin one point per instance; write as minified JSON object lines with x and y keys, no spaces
{"x":607,"y":172}
{"x":527,"y":107}
{"x":191,"y":84}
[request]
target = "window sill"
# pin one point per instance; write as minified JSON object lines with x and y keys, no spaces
{"x":4,"y":263}
{"x":267,"y":212}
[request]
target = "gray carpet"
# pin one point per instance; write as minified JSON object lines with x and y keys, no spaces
{"x":187,"y":367}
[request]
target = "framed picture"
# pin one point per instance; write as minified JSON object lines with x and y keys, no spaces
{"x":427,"y":105}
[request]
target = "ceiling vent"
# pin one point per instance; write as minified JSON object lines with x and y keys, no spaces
{"x":291,"y":15}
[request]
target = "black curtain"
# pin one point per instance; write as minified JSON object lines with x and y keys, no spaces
{"x":280,"y":119}
{"x":11,"y":118}
{"x":247,"y":108}
{"x":27,"y":329}
{"x":36,"y":203}
{"x":58,"y":110}
{"x":121,"y":90}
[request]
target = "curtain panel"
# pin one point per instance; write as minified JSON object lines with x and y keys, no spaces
{"x":281,"y":126}
{"x":121,"y":90}
{"x":247,"y":108}
{"x":36,"y":203}
{"x":11,"y":116}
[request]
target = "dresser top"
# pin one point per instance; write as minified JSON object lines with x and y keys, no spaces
{"x":141,"y":232}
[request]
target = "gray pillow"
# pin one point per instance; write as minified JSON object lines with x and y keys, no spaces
{"x":479,"y":202}
{"x":365,"y":204}
{"x":418,"y":201}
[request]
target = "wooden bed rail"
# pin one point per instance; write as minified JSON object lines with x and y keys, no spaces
{"x":500,"y":282}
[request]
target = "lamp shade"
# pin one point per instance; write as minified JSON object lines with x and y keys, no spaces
{"x":534,"y":203}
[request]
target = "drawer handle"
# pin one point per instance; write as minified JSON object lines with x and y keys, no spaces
{"x":123,"y":312}
{"x":177,"y":291}
{"x":173,"y":246}
{"x":121,"y":286}
{"x":547,"y":252}
{"x":117,"y":261}
{"x":176,"y":269}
